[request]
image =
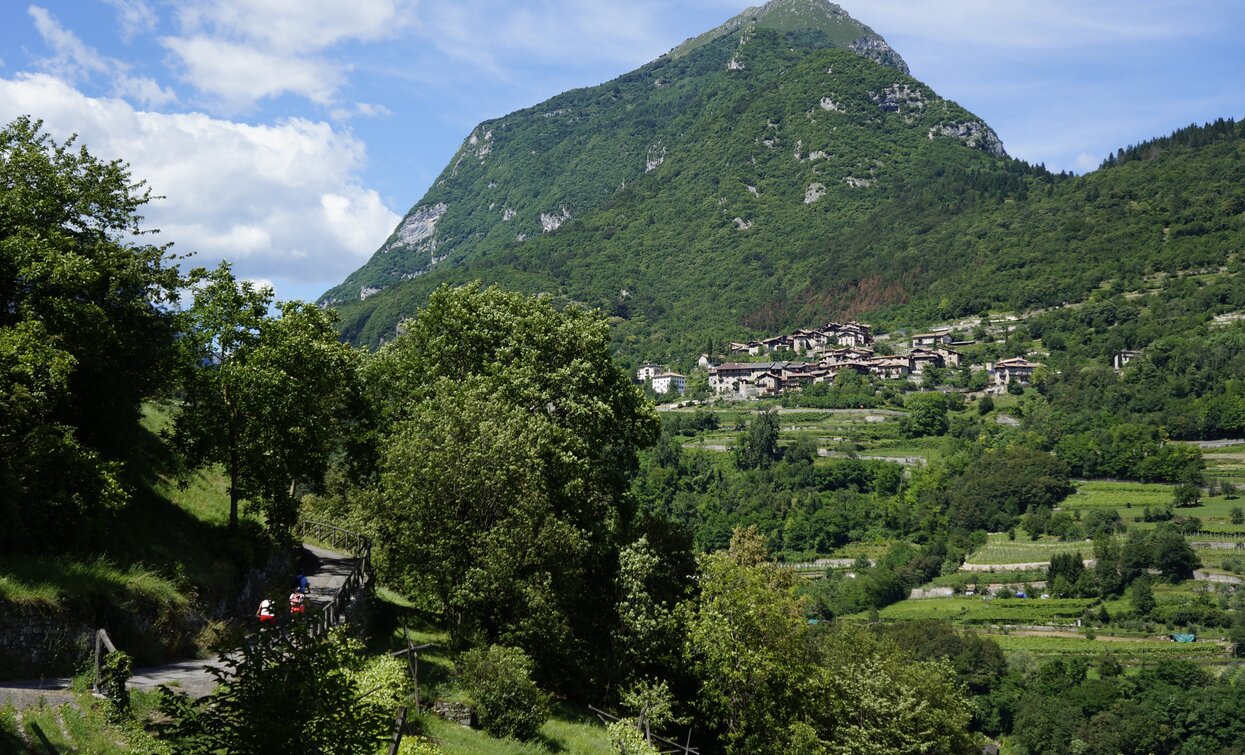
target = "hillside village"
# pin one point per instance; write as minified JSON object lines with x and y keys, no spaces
{"x":828,"y":351}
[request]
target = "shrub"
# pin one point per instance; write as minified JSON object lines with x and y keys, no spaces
{"x":508,"y":702}
{"x":626,"y":739}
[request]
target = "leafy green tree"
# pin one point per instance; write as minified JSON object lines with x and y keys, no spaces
{"x":803,"y":450}
{"x":1003,"y":484}
{"x":985,"y":405}
{"x":649,"y":632}
{"x":1186,"y":494}
{"x":653,"y":705}
{"x":747,"y":638}
{"x":627,"y":739}
{"x":1107,"y":566}
{"x":875,"y":698}
{"x":1236,"y":515}
{"x":506,"y":436}
{"x":283,"y":693}
{"x":927,"y":415}
{"x":86,"y":333}
{"x":1066,"y":565}
{"x":1173,"y":556}
{"x":1237,"y":635}
{"x":1141,"y":598}
{"x":508,"y":702}
{"x":758,"y":448}
{"x":264,"y":396}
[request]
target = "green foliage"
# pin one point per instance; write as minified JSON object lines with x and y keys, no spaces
{"x":766,"y":676}
{"x":1186,"y":494}
{"x":652,"y":703}
{"x":927,"y":415}
{"x":265,"y":396}
{"x":282,"y":693}
{"x":85,"y":336}
{"x":1003,"y":484}
{"x":1173,"y":556}
{"x":1141,"y":598}
{"x":508,"y":702}
{"x":876,"y":699}
{"x":758,"y":446}
{"x":114,"y":672}
{"x":649,"y":631}
{"x":505,"y":436}
{"x":1067,"y":567}
{"x":627,"y":739}
{"x":747,"y":640}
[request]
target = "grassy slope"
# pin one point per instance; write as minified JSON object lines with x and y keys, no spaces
{"x":569,"y":730}
{"x":82,"y":727}
{"x":165,"y":556}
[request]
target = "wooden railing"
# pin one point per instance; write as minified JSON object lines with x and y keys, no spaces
{"x":360,"y":576}
{"x":103,"y":644}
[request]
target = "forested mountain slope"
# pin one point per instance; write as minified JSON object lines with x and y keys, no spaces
{"x":765,"y":178}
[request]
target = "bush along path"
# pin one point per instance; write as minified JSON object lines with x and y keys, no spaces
{"x":336,"y":577}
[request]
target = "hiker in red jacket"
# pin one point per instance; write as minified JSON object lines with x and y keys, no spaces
{"x":297,"y":605}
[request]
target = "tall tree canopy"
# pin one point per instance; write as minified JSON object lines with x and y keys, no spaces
{"x":507,"y":436}
{"x":265,"y":396}
{"x":85,"y":331}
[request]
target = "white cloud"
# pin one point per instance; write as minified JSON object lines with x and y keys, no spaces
{"x":71,"y":58}
{"x":134,"y":16}
{"x":285,"y":26}
{"x":74,"y":61}
{"x":239,"y":52}
{"x":364,"y":109}
{"x":143,"y":90}
{"x":238,"y":74}
{"x":283,"y":201}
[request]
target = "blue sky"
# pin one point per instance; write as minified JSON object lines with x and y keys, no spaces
{"x":290,"y":136}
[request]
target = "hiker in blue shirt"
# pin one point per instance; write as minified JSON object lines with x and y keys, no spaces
{"x":301,"y":584}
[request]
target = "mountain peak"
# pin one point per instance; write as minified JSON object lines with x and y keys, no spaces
{"x":821,"y":17}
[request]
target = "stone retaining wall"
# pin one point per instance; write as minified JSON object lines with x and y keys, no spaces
{"x":31,"y":642}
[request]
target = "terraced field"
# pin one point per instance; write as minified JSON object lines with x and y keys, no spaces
{"x":1000,"y":550}
{"x":1124,"y":649}
{"x":1093,"y":494}
{"x":976,"y":610}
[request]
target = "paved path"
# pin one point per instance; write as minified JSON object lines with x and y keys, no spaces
{"x":326,"y":571}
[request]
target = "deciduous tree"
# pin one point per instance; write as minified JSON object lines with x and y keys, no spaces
{"x":86,"y":333}
{"x":265,"y":396}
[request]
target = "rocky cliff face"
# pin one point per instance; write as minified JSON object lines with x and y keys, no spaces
{"x":789,"y":119}
{"x":525,"y":175}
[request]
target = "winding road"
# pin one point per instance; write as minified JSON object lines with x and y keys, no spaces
{"x":327,"y":572}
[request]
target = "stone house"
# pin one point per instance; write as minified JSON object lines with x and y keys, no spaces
{"x":889,"y":368}
{"x":930,"y":339}
{"x":919,"y":359}
{"x":647,"y":372}
{"x":1005,"y":371}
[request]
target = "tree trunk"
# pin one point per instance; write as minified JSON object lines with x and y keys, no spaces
{"x":233,"y":488}
{"x":233,"y":466}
